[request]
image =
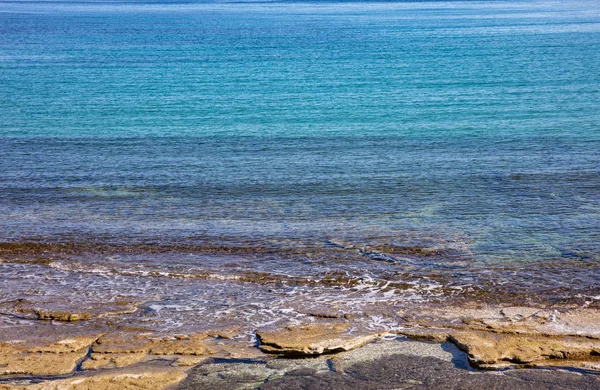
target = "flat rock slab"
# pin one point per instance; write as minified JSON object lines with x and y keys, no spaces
{"x":311,"y":339}
{"x":124,"y":380}
{"x":421,"y":373}
{"x":383,"y":364}
{"x":495,"y":350}
{"x":51,"y":358}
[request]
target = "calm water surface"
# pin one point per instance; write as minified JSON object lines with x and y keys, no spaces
{"x":415,"y":149}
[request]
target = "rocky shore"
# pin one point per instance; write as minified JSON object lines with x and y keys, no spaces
{"x":317,"y":317}
{"x":72,"y":351}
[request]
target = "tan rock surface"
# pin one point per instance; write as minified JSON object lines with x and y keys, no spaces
{"x":40,"y":363}
{"x":124,"y":349}
{"x":311,"y":339}
{"x":188,"y":361}
{"x":51,"y":358}
{"x":122,"y":343}
{"x":112,"y":360}
{"x":71,"y":344}
{"x":155,"y":379}
{"x":180,"y":345}
{"x":493,"y":350}
{"x":566,"y":321}
{"x":438,"y":335}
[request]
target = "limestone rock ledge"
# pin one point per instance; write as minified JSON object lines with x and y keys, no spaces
{"x":115,"y":350}
{"x":311,"y":339}
{"x":489,"y":350}
{"x":62,"y":356}
{"x":51,"y":358}
{"x":157,"y":378}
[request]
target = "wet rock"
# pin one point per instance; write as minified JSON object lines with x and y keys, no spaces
{"x":68,"y":312}
{"x":225,"y":333}
{"x":311,"y":339}
{"x":60,"y":315}
{"x":324,"y":314}
{"x":517,"y":313}
{"x":382,"y":364}
{"x":227,"y":375}
{"x":416,"y":373}
{"x":584,"y":322}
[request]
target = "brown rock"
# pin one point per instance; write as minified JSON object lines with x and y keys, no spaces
{"x":181,"y":345}
{"x":69,"y":312}
{"x":52,"y":358}
{"x":519,"y":313}
{"x":438,"y":335}
{"x":112,"y":360}
{"x":226,"y":333}
{"x":124,"y":349}
{"x":72,"y":344}
{"x":61,"y":315}
{"x":493,"y":350}
{"x":122,"y":343}
{"x":154,"y":379}
{"x":311,"y":339}
{"x":26,"y":363}
{"x":187,"y":361}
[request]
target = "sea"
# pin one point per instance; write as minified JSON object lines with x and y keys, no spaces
{"x":253,"y":163}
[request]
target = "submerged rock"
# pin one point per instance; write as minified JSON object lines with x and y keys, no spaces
{"x":66,"y":311}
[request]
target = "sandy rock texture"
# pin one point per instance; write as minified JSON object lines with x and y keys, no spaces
{"x":496,"y":338}
{"x":50,"y":358}
{"x":156,"y":378}
{"x":312,"y":339}
{"x":76,"y":354}
{"x":497,"y":350}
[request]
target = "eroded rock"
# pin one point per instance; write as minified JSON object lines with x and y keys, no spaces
{"x":180,"y":345}
{"x":496,"y":350}
{"x":116,"y":350}
{"x":67,"y":312}
{"x":438,"y":335}
{"x":189,"y":361}
{"x":154,"y":379}
{"x":122,"y":343}
{"x":112,"y":360}
{"x":51,"y":358}
{"x":311,"y":339}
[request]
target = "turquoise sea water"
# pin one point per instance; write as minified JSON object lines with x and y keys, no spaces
{"x":455,"y":135}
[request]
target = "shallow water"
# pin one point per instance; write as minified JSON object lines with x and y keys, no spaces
{"x":253,"y":161}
